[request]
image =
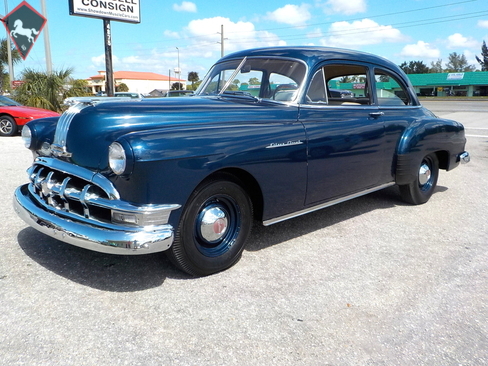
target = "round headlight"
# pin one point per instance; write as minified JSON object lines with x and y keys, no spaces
{"x":27,"y":136}
{"x":117,"y":158}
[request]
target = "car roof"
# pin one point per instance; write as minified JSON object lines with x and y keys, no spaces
{"x":311,"y":55}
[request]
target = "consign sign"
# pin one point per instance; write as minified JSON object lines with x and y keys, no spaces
{"x":121,"y":10}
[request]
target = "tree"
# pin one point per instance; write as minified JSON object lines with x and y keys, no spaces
{"x":122,"y":87}
{"x":177,"y":86}
{"x":346,"y":79}
{"x":193,"y":78}
{"x":77,"y":88}
{"x":458,"y":63}
{"x":48,"y":91}
{"x":484,"y":57}
{"x":254,"y":81}
{"x":4,"y":73}
{"x":436,"y":67}
{"x":414,"y":67}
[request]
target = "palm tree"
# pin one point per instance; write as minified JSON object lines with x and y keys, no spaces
{"x":48,"y":91}
{"x":4,"y":62}
{"x":193,"y":77}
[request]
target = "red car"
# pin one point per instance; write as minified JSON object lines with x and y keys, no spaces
{"x":14,"y":115}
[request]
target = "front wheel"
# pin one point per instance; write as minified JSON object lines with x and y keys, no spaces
{"x":422,"y":188}
{"x":213,"y":229}
{"x":8,"y":127}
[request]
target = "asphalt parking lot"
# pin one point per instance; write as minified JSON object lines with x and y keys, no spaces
{"x":372,"y":281}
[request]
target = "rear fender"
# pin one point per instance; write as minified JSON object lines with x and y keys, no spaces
{"x":441,"y":136}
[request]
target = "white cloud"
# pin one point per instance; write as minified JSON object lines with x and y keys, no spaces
{"x":457,"y":40}
{"x":291,"y":14}
{"x":316,"y":33}
{"x":347,"y":7}
{"x":359,"y":33}
{"x":186,"y":6}
{"x":205,"y":36}
{"x":171,"y":34}
{"x":471,"y":58}
{"x":420,"y":50}
{"x":99,"y":61}
{"x":483,"y":23}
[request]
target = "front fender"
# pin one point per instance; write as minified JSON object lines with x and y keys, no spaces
{"x":441,"y":136}
{"x":168,"y":164}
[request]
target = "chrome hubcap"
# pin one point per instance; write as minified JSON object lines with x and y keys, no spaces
{"x":424,"y":174}
{"x":214,"y":224}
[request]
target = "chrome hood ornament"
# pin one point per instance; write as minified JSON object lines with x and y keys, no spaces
{"x":58,"y":147}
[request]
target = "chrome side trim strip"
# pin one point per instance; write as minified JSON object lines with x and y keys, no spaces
{"x":326,"y":204}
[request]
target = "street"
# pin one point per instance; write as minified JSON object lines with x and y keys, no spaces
{"x":372,"y":281}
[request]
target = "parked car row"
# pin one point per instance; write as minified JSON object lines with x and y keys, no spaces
{"x":13,"y":116}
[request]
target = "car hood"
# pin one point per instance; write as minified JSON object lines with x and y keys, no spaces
{"x":88,"y":130}
{"x":24,"y":111}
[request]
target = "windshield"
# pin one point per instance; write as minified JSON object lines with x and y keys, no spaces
{"x":262,"y":77}
{"x":7,"y":102}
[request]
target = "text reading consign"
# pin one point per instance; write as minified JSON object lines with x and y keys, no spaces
{"x":123,"y":10}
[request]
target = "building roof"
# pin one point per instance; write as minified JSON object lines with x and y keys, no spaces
{"x":452,"y":78}
{"x":136,"y":75}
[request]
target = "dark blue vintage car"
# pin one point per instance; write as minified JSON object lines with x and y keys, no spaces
{"x":262,"y":139}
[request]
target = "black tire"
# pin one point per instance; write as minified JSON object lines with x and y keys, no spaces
{"x":420,"y":190}
{"x":213,"y":229}
{"x":8,"y":127}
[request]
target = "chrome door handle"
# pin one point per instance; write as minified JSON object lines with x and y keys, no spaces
{"x":376,"y":114}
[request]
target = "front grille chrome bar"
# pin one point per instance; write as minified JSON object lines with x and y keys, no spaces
{"x":78,"y":193}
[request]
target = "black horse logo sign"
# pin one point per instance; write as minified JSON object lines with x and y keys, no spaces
{"x":24,"y":24}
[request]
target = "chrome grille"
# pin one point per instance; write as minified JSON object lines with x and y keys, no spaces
{"x":69,"y":193}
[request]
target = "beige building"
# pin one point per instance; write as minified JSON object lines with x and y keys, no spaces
{"x":138,"y":82}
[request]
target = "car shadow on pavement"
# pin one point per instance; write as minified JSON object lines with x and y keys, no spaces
{"x":107,"y":272}
{"x":119,"y":273}
{"x":263,"y":237}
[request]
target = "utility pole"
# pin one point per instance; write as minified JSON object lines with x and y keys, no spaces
{"x":9,"y":53}
{"x":47,"y":44}
{"x":178,"y":70}
{"x":221,"y":40}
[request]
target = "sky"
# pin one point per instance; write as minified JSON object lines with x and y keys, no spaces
{"x":189,"y":32}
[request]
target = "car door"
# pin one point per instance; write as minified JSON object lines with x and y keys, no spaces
{"x":398,"y":107}
{"x":345,"y":135}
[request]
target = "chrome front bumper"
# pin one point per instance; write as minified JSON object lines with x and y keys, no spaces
{"x":123,"y":240}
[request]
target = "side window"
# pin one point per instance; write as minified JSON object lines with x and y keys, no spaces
{"x":249,"y":81}
{"x":283,"y":87}
{"x":316,"y":93}
{"x":340,"y":84}
{"x":389,"y":91}
{"x":347,"y":84}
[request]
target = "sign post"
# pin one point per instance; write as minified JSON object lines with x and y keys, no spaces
{"x":126,"y":11}
{"x":109,"y":72}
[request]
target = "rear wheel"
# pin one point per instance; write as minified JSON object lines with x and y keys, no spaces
{"x":213,"y":229}
{"x":420,"y":190}
{"x":8,"y":127}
